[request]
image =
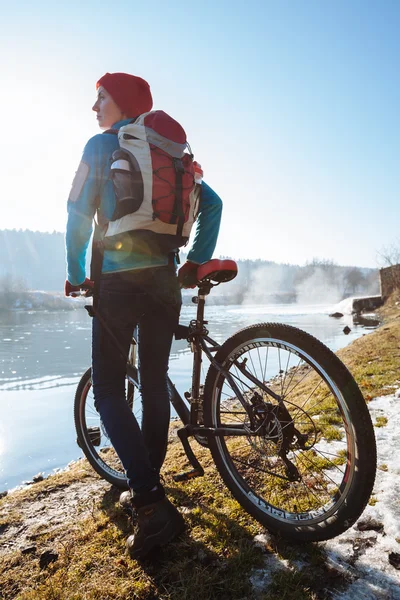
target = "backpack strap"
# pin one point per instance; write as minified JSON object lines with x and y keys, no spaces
{"x":178,"y":208}
{"x":115,"y":131}
{"x":96,"y":263}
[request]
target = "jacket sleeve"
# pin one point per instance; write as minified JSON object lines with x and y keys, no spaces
{"x":207,"y":226}
{"x":82,"y":204}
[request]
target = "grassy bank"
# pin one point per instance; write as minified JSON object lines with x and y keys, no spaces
{"x":374,"y":359}
{"x":64,"y":537}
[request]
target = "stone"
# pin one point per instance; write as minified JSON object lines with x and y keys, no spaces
{"x":3,"y":527}
{"x":346,"y":330}
{"x":394,"y":559}
{"x":369,"y":525}
{"x":28,"y":550}
{"x":47,"y":557}
{"x":336,"y":315}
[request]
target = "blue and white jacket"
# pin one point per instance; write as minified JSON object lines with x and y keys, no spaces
{"x":92,"y":190}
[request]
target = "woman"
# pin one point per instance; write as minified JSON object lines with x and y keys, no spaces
{"x":138,"y":286}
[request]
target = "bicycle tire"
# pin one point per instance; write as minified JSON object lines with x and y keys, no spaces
{"x":93,"y":439}
{"x":336,"y":465}
{"x":90,"y":437}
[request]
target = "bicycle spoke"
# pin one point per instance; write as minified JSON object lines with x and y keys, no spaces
{"x":318,"y":469}
{"x":297,"y":384}
{"x":313,"y":413}
{"x":286,"y":371}
{"x":294,"y":371}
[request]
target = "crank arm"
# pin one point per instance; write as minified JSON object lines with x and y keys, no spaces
{"x":197,"y":470}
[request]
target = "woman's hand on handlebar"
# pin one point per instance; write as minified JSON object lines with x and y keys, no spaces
{"x":83,"y":289}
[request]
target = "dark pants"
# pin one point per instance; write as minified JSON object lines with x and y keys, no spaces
{"x":151,"y":299}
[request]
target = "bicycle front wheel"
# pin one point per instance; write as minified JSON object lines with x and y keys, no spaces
{"x":304,"y":461}
{"x":92,"y":437}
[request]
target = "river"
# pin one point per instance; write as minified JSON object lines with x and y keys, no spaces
{"x":43,"y":355}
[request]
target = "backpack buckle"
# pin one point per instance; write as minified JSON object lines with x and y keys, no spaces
{"x":178,"y":165}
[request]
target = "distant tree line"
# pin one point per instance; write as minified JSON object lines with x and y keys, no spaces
{"x":33,"y":260}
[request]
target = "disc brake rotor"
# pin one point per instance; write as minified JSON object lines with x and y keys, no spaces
{"x":269,"y":444}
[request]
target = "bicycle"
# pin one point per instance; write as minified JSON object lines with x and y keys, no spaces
{"x":287,"y":426}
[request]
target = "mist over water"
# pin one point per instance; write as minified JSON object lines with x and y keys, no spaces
{"x":267,"y":280}
{"x":43,"y":355}
{"x":318,"y":289}
{"x":314,"y":284}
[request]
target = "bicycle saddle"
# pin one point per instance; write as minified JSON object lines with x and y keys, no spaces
{"x":217,"y":271}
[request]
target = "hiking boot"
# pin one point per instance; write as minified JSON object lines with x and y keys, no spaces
{"x":157,"y":524}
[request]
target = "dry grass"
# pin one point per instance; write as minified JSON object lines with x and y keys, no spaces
{"x":216,"y":556}
{"x":212,"y":560}
{"x":374,"y":359}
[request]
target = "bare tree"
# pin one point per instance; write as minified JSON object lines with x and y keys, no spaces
{"x":354,"y":280}
{"x":390,"y":275}
{"x":390,"y":255}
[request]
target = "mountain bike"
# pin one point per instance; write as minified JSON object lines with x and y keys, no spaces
{"x":287,"y":426}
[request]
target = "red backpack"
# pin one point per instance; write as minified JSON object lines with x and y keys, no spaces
{"x":156,"y":181}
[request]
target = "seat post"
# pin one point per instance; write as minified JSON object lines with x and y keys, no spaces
{"x":203,"y":292}
{"x":195,"y":401}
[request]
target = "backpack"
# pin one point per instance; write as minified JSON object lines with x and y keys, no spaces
{"x":156,"y":182}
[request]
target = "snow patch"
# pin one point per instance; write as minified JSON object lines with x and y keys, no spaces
{"x":262,"y":578}
{"x":361,"y":554}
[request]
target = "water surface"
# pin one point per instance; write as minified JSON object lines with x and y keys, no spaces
{"x":43,"y":355}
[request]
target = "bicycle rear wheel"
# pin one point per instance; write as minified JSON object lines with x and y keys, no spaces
{"x":92,"y":437}
{"x":309,"y":471}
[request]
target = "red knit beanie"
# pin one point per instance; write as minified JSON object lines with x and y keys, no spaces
{"x":132,"y":94}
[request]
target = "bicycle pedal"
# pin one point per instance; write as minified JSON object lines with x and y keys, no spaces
{"x":187,"y":475}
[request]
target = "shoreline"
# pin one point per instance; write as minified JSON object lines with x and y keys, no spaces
{"x":46,"y":468}
{"x":42,"y":301}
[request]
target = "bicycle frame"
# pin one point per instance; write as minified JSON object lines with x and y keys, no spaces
{"x":197,"y":335}
{"x":321,"y":455}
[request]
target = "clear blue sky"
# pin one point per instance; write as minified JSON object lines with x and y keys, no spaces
{"x":292,"y":107}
